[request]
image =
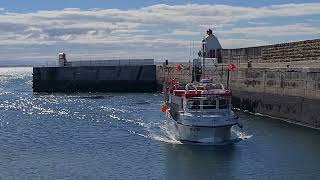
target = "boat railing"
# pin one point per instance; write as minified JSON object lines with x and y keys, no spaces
{"x":207,"y":104}
{"x":209,"y":95}
{"x":204,"y":86}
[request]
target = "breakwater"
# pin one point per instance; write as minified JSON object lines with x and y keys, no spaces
{"x":302,"y":51}
{"x":292,"y":94}
{"x":95,"y":79}
{"x":283,"y":82}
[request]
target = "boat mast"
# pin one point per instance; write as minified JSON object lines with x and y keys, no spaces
{"x":203,"y":56}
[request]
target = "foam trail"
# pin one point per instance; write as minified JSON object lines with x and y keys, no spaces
{"x":155,"y":131}
{"x":161,"y":133}
{"x":240,"y":134}
{"x":164,"y":139}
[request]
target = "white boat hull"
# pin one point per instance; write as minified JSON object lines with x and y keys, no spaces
{"x":199,"y":134}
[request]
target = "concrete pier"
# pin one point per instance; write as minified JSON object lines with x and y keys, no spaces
{"x":135,"y":79}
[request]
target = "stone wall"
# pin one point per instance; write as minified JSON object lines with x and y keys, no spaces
{"x":292,"y":94}
{"x":301,"y":82}
{"x":242,"y":55}
{"x":184,"y":76}
{"x":294,"y":109}
{"x":308,"y":50}
{"x":167,"y":73}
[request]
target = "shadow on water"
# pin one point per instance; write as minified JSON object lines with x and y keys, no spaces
{"x":95,"y":97}
{"x":77,"y":95}
{"x":200,"y":162}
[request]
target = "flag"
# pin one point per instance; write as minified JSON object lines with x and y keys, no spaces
{"x":179,"y":67}
{"x":232,"y":67}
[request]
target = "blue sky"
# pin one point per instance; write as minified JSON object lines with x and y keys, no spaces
{"x":36,"y":30}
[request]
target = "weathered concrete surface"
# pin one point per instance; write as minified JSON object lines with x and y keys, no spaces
{"x":283,"y":81}
{"x":95,"y":79}
{"x":292,"y":64}
{"x":295,"y":109}
{"x":292,"y":94}
{"x":167,"y":73}
{"x":288,"y":53}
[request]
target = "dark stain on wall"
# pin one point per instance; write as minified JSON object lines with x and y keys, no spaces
{"x":292,"y":108}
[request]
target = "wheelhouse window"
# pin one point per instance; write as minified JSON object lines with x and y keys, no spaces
{"x":217,"y":86}
{"x":209,"y":104}
{"x":223,"y":104}
{"x":193,"y":104}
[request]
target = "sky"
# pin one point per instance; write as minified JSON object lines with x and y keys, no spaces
{"x":37,"y":30}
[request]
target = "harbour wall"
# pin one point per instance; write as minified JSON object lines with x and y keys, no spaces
{"x":167,"y":72}
{"x":302,"y":51}
{"x":292,"y":94}
{"x":283,"y":80}
{"x":95,"y":79}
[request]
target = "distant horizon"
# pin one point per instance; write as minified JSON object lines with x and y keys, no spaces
{"x":54,"y":62}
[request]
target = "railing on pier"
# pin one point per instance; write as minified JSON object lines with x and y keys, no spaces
{"x":122,"y":62}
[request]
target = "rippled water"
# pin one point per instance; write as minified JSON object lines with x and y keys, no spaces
{"x":121,"y":136}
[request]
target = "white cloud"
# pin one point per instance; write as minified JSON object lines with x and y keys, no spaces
{"x":160,"y":31}
{"x":184,"y":33}
{"x":258,"y":23}
{"x":282,"y":30}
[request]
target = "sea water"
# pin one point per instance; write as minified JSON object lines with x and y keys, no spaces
{"x":122,"y":136}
